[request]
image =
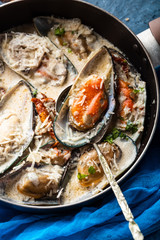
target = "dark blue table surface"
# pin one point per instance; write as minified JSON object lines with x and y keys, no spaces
{"x":139,"y":12}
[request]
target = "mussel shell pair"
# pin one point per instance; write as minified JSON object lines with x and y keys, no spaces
{"x":36,"y":59}
{"x":75,"y":192}
{"x":16,"y":118}
{"x":13,"y":177}
{"x":100,"y":64}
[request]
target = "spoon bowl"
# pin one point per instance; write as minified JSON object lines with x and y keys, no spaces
{"x":61,"y":98}
{"x":99,"y":67}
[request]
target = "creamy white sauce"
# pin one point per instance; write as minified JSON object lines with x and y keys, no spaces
{"x":73,"y":192}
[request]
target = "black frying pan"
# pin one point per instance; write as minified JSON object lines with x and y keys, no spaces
{"x":20,"y":12}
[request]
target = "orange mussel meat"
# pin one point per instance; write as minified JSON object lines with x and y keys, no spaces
{"x":126,"y":91}
{"x":90,"y":102}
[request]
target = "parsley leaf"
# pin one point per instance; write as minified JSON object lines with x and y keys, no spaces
{"x":115,"y":134}
{"x":65,"y":43}
{"x":138,"y":90}
{"x":35,"y":92}
{"x":109,"y":138}
{"x":123,"y":136}
{"x":131,"y":127}
{"x":91,"y":170}
{"x":69,"y":50}
{"x":81,"y":176}
{"x":59,"y":31}
{"x":142,"y":89}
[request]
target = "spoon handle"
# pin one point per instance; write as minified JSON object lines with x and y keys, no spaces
{"x":134,"y":228}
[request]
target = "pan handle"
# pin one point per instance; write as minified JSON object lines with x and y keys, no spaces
{"x":155,"y":29}
{"x":151,"y":40}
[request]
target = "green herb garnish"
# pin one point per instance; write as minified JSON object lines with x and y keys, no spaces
{"x":142,"y":89}
{"x":123,"y":136}
{"x":138,"y":90}
{"x":109,"y":138}
{"x":35,"y":93}
{"x":131,"y":127}
{"x":115,"y":134}
{"x":65,"y":43}
{"x":81,"y":176}
{"x":59,"y":31}
{"x":69,"y":50}
{"x":91,"y":170}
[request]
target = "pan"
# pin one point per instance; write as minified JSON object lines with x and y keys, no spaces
{"x":19,"y":12}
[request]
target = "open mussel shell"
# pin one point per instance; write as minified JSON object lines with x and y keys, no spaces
{"x":36,"y":59}
{"x":75,"y":192}
{"x":99,"y":64}
{"x":37,"y":183}
{"x":70,"y":35}
{"x":25,"y":175}
{"x":131,"y":90}
{"x":16,"y":124}
{"x":43,"y":25}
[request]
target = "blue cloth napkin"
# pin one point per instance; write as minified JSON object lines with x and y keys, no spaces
{"x":103,"y":219}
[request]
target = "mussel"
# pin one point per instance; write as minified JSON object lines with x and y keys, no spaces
{"x":16,"y":124}
{"x":88,"y":178}
{"x":33,"y":183}
{"x":68,"y":34}
{"x":131,"y":96}
{"x":36,"y":59}
{"x":36,"y":181}
{"x":89,"y":104}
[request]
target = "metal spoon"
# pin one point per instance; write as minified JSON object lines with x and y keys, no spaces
{"x":134,"y":228}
